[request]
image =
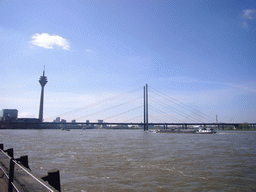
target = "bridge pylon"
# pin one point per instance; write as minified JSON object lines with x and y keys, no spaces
{"x":146,"y":107}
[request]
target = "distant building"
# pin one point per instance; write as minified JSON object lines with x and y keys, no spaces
{"x":63,"y":121}
{"x":100,"y":121}
{"x":73,"y":121}
{"x":57,"y":120}
{"x":100,"y":125}
{"x":8,"y":114}
{"x":119,"y":127}
{"x":27,"y":120}
{"x":88,"y":125}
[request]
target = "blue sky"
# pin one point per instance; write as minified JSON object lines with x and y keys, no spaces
{"x":200,"y":53}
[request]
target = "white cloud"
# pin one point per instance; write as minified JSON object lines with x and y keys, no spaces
{"x":249,"y":14}
{"x":49,"y":41}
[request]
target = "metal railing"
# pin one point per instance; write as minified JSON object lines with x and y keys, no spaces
{"x":19,"y":176}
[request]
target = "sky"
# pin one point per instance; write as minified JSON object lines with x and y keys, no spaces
{"x":197,"y":57}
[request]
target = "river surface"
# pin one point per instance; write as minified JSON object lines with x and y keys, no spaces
{"x":134,"y":160}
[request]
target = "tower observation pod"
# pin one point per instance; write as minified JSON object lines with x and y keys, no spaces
{"x":42,"y":81}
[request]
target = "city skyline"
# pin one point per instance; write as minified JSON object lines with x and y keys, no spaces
{"x":199,"y":53}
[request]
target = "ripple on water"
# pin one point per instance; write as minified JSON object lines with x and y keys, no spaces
{"x":131,"y":160}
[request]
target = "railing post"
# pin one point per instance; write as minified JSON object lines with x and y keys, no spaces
{"x":2,"y":146}
{"x":9,"y":152}
{"x":11,"y":175}
{"x":53,"y":179}
{"x":24,"y":161}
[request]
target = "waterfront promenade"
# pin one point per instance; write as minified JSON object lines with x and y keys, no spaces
{"x":3,"y":182}
{"x":22,"y":178}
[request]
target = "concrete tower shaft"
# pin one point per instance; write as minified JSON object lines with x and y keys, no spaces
{"x":42,"y":81}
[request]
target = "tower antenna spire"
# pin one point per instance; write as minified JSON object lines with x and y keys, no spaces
{"x":44,"y":70}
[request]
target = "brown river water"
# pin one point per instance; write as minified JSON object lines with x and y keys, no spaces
{"x":134,"y":160}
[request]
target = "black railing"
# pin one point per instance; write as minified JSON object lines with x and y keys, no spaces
{"x":19,"y":176}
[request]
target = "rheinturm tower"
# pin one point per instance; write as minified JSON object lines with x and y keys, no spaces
{"x":42,"y":81}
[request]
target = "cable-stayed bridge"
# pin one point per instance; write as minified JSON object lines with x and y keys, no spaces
{"x":142,"y":106}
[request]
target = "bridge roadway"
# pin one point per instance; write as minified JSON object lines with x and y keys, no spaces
{"x":141,"y":124}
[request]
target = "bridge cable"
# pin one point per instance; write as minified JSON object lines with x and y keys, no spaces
{"x":199,"y":113}
{"x":166,"y":115}
{"x":124,"y":112}
{"x":155,"y":118}
{"x":109,"y":108}
{"x":179,"y":112}
{"x":99,"y":102}
{"x":133,"y":119}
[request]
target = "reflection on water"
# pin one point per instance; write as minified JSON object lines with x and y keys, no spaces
{"x":134,"y":160}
